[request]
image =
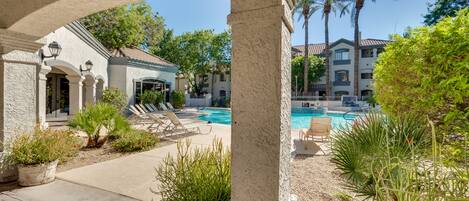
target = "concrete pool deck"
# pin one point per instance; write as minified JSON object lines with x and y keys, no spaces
{"x":127,"y":178}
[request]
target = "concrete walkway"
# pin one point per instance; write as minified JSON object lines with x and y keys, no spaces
{"x":62,"y":191}
{"x":134,"y":175}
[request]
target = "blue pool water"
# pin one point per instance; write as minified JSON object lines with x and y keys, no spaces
{"x":300,"y":118}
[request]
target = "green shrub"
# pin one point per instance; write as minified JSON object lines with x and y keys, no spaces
{"x":134,"y":140}
{"x":153,"y":97}
{"x":115,"y":97}
{"x":44,"y":146}
{"x":178,"y":99}
{"x":196,"y":174}
{"x":95,"y":117}
{"x":387,"y":158}
{"x":427,"y":73}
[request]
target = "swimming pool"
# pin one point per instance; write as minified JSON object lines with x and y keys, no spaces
{"x":300,"y":119}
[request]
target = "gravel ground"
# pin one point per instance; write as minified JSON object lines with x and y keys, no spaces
{"x":314,"y":178}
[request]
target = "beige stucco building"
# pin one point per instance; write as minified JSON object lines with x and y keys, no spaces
{"x":66,"y":85}
{"x":341,"y":66}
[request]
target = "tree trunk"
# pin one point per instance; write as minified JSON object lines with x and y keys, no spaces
{"x":356,"y":58}
{"x":328,"y":54}
{"x":306,"y":56}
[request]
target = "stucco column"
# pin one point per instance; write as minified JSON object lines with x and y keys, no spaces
{"x":76,"y":93}
{"x":261,"y":99}
{"x":18,"y":68}
{"x":42,"y":95}
{"x":90,"y":90}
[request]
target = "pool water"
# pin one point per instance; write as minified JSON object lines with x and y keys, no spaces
{"x":299,"y":119}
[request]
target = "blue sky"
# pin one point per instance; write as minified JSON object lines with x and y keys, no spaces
{"x":377,"y":20}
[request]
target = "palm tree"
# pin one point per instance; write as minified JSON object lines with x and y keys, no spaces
{"x":305,"y":8}
{"x":329,"y":6}
{"x":357,"y":7}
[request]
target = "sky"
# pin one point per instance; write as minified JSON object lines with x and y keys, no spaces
{"x":377,"y":20}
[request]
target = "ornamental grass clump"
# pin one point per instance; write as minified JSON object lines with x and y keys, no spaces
{"x":134,"y":140}
{"x":396,"y":158}
{"x":44,"y":146}
{"x":94,"y":118}
{"x":196,"y":174}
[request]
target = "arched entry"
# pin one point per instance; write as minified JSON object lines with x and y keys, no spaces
{"x":63,"y":90}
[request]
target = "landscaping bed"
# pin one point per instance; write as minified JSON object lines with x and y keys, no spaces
{"x":315,"y":178}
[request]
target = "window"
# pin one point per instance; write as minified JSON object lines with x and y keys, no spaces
{"x":341,"y":75}
{"x":342,"y":54}
{"x":222,"y":77}
{"x":341,"y":93}
{"x":148,"y":85}
{"x":367,"y":93}
{"x":367,"y":76}
{"x":379,"y":51}
{"x":367,"y":53}
{"x":222,"y":93}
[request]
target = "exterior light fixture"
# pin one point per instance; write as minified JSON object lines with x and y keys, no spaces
{"x":54,"y":49}
{"x":87,"y":67}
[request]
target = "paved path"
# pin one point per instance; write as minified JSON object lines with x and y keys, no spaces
{"x":134,"y":175}
{"x":62,"y":191}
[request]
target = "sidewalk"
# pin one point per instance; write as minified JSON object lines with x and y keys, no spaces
{"x":134,"y":175}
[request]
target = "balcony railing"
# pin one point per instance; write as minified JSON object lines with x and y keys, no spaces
{"x":341,"y":83}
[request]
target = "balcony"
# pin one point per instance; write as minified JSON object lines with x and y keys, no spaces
{"x":342,"y":62}
{"x":341,"y":83}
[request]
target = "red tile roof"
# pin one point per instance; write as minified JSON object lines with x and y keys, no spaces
{"x":319,"y":47}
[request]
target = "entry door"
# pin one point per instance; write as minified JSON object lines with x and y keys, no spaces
{"x":57,"y":96}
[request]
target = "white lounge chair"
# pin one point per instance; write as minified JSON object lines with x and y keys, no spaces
{"x":163,"y":107}
{"x":176,"y":126}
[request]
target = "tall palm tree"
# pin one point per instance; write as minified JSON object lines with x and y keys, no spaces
{"x":357,"y":7}
{"x":329,"y":6}
{"x":305,"y":8}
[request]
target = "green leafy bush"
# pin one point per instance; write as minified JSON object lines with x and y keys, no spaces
{"x":178,"y":99}
{"x":115,"y":97}
{"x":387,"y":158}
{"x":95,"y":117}
{"x":44,"y":146}
{"x":134,"y":140}
{"x":427,"y":73}
{"x":196,"y":174}
{"x":316,"y":70}
{"x":153,"y":97}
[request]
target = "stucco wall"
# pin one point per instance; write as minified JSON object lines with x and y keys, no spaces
{"x":18,"y":88}
{"x":76,"y":52}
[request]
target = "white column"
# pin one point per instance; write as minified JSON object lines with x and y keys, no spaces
{"x":76,"y":93}
{"x":90,"y":90}
{"x":18,"y":74}
{"x":42,"y":95}
{"x":261,"y":102}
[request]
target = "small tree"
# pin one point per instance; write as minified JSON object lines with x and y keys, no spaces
{"x":115,"y":97}
{"x":315,"y":72}
{"x":178,"y":99}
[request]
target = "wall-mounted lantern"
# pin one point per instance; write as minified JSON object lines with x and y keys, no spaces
{"x":87,"y":67}
{"x":54,"y":49}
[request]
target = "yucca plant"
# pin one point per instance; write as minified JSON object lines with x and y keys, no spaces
{"x":360,"y":150}
{"x":96,"y":117}
{"x":202,"y":174}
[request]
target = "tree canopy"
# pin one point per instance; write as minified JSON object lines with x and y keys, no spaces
{"x":427,"y":73}
{"x":132,"y":25}
{"x":315,"y":72}
{"x":197,"y":53}
{"x":444,"y":8}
